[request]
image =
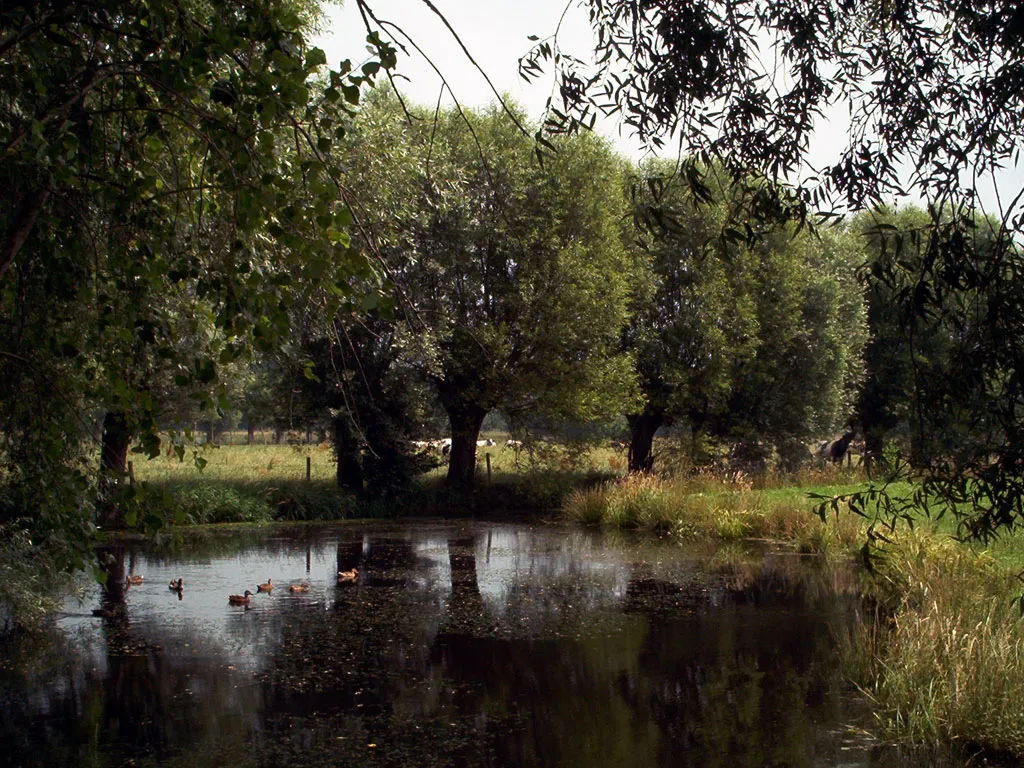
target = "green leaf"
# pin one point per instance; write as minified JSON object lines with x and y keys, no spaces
{"x":315,"y":57}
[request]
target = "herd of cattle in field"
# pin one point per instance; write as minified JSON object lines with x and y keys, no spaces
{"x":835,"y":451}
{"x":445,"y":446}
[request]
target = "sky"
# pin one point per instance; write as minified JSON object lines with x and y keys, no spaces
{"x":496,"y":33}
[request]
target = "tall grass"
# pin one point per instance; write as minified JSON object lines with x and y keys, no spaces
{"x":706,"y":507}
{"x":943,"y":656}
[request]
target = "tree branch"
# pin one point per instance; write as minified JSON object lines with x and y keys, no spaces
{"x":24,"y":221}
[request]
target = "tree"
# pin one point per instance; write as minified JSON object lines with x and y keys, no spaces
{"x":930,"y":93}
{"x":173,"y":146}
{"x":755,"y":343}
{"x":513,"y":273}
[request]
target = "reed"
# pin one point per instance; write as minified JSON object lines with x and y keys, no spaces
{"x":942,"y":653}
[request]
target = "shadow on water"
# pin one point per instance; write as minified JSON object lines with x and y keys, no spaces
{"x":458,"y":645}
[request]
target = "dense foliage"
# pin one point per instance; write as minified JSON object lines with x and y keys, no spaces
{"x":169,"y":191}
{"x":756,"y":344}
{"x":928,"y":96}
{"x":512,"y":275}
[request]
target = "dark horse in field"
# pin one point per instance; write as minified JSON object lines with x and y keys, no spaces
{"x":836,"y":450}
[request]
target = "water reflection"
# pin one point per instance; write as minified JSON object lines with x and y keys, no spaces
{"x":475,"y":645}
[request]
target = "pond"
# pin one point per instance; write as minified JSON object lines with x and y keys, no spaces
{"x":459,"y":644}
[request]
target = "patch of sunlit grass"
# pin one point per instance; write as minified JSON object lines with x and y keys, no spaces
{"x":238,"y":463}
{"x":697,"y":507}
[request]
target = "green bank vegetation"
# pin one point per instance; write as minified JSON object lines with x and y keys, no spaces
{"x":939,"y":649}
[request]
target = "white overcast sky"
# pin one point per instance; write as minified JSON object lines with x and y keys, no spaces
{"x":496,"y":33}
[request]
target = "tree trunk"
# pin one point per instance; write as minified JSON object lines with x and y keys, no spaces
{"x":113,"y":466}
{"x":250,"y":431}
{"x":115,"y":444}
{"x":348,"y":449}
{"x":26,"y":217}
{"x":466,"y":420}
{"x":642,"y":427}
{"x":874,"y":442}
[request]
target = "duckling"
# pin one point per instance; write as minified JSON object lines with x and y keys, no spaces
{"x":268,"y":587}
{"x":240,"y":599}
{"x":133,"y":580}
{"x":303,"y":587}
{"x":348,"y":577}
{"x":175,"y":586}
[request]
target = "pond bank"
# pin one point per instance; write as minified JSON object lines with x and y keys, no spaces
{"x":940,"y":651}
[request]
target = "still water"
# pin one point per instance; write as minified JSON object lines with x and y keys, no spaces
{"x":461,"y":644}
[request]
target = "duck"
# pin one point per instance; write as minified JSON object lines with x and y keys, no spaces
{"x":240,"y":599}
{"x":348,"y":577}
{"x":175,"y":585}
{"x":133,"y":580}
{"x":303,"y":587}
{"x":268,"y":587}
{"x":108,"y":612}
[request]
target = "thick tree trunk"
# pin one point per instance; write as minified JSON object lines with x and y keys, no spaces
{"x":115,"y":444}
{"x":250,"y":431}
{"x":25,"y":219}
{"x":113,"y":466}
{"x":874,"y":442}
{"x":642,"y":427}
{"x":466,"y":420}
{"x":347,"y":448}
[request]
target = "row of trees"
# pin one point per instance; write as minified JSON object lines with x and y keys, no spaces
{"x":572,"y":290}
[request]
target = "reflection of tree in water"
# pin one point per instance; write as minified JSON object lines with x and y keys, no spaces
{"x":465,"y":607}
{"x":559,"y":656}
{"x":147,"y":705}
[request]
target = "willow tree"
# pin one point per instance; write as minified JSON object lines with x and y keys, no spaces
{"x":758,"y":342}
{"x":511,"y":273}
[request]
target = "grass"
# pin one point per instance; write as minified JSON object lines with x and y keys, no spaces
{"x":252,"y":483}
{"x":943,"y":655}
{"x":703,"y":506}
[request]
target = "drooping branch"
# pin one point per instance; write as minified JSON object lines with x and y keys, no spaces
{"x":24,"y":221}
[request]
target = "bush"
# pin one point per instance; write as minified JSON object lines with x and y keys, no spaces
{"x":31,"y":584}
{"x":211,"y":502}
